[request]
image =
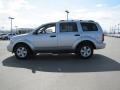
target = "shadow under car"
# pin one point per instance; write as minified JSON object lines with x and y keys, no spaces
{"x":67,"y":63}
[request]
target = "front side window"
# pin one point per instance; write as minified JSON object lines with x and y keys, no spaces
{"x":89,"y":27}
{"x":68,"y":27}
{"x":49,"y":28}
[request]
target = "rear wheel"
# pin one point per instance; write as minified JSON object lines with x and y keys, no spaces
{"x":22,"y":51}
{"x":85,"y":50}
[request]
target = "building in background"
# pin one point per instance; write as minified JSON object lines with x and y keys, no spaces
{"x":17,"y":31}
{"x":23,"y":30}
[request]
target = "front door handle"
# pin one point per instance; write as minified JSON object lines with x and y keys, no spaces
{"x":53,"y":36}
{"x":77,"y":34}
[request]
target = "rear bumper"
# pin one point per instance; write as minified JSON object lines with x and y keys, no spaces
{"x":101,"y":46}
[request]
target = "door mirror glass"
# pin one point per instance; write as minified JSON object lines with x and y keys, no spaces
{"x":34,"y":33}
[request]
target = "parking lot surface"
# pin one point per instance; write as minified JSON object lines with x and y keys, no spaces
{"x":62,"y":72}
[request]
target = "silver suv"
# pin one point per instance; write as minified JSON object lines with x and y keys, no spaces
{"x":74,"y":36}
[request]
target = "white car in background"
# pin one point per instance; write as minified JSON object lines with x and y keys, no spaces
{"x":4,"y":37}
{"x":7,"y":36}
{"x":74,"y":36}
{"x":1,"y":35}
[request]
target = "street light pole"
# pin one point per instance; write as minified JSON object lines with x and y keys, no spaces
{"x":16,"y":29}
{"x":11,"y":18}
{"x":67,"y":14}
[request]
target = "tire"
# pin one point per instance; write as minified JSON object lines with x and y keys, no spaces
{"x":85,"y":50}
{"x":22,"y":51}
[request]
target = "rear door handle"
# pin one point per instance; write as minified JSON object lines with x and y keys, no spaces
{"x":53,"y":36}
{"x":77,"y":34}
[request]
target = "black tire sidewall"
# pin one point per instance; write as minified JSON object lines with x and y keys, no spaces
{"x":28,"y":51}
{"x":79,"y":49}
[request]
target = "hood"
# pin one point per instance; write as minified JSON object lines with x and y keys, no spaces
{"x":23,"y":36}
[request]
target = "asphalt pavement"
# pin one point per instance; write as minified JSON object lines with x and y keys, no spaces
{"x":62,"y":72}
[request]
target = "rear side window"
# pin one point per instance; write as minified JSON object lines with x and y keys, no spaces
{"x":89,"y":27}
{"x":68,"y":27}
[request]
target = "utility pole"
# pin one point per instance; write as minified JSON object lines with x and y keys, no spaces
{"x":118,"y":28}
{"x":11,"y":18}
{"x":115,"y":28}
{"x":67,"y":14}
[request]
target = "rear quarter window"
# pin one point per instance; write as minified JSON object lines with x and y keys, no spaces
{"x":89,"y":27}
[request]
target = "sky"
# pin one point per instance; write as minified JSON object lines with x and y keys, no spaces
{"x":33,"y":13}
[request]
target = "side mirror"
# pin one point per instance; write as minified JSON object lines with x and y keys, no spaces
{"x":35,"y":33}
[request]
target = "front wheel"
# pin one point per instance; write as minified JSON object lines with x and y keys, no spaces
{"x":22,"y":52}
{"x":85,"y":51}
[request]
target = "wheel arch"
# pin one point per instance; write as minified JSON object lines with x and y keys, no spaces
{"x":84,"y":42}
{"x":22,"y":43}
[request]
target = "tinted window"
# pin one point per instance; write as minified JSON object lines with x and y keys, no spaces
{"x":68,"y":27}
{"x":89,"y":27}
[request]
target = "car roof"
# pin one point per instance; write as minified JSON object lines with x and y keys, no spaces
{"x":76,"y":21}
{"x":63,"y":21}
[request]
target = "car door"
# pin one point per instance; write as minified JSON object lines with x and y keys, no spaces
{"x":68,"y":34}
{"x":46,"y":37}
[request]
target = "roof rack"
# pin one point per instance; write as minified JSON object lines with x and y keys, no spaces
{"x":67,"y":20}
{"x":62,"y":20}
{"x":78,"y":20}
{"x":87,"y":21}
{"x":90,"y":21}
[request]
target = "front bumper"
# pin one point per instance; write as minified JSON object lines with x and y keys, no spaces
{"x":10,"y":48}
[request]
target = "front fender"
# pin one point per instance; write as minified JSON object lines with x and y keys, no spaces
{"x":26,"y":42}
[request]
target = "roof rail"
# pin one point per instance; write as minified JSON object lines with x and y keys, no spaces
{"x":66,"y":20}
{"x":62,"y":20}
{"x":90,"y":21}
{"x":78,"y":20}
